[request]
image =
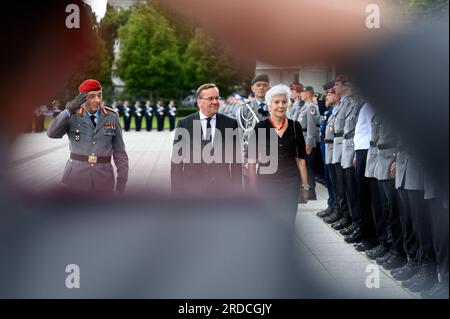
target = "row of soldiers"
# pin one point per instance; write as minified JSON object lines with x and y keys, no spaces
{"x":381,"y":199}
{"x":149,"y":110}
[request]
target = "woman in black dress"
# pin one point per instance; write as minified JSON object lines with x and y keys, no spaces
{"x":280,"y":186}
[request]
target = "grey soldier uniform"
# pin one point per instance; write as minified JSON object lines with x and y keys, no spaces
{"x":329,"y":137}
{"x":89,"y":167}
{"x":387,"y":152}
{"x":372,"y":153}
{"x":409,"y":172}
{"x":309,"y":118}
{"x":294,"y":111}
{"x":351,"y":117}
{"x":339,"y":124}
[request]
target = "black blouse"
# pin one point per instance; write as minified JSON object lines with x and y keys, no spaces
{"x":290,"y":146}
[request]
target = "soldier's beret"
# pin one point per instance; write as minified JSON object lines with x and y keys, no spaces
{"x":260,"y":77}
{"x":89,"y":85}
{"x":328,"y":85}
{"x":296,"y":87}
{"x":307,"y":88}
{"x":341,"y":78}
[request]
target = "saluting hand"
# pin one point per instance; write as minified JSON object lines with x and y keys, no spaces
{"x":77,"y":102}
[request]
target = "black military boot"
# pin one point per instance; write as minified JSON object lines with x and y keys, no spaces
{"x":333,"y":217}
{"x":397,"y":260}
{"x":342,"y":223}
{"x":350,"y":229}
{"x":326,"y":212}
{"x":384,"y":258}
{"x":354,"y":237}
{"x":407,"y":271}
{"x":427,"y":277}
{"x":364,"y":245}
{"x":377,"y":251}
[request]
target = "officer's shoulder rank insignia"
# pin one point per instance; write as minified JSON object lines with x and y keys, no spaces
{"x":107,"y":109}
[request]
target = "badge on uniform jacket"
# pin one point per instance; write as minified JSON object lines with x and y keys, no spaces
{"x":312,"y":110}
{"x":109,"y":125}
{"x":77,"y":136}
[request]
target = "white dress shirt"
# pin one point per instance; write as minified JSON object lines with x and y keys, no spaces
{"x":203,"y":122}
{"x":363,"y":129}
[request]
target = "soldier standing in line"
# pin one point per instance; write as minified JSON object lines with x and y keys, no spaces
{"x":172,"y":112}
{"x":309,"y":118}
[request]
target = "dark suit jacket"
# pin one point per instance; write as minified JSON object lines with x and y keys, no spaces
{"x":215,"y":177}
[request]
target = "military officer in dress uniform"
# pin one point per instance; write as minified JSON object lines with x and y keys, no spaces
{"x":409,"y":182}
{"x":386,"y":154}
{"x":322,"y":130}
{"x":137,"y":112}
{"x":309,"y":118}
{"x":172,"y":111}
{"x":332,"y":101}
{"x":348,"y":153}
{"x":335,"y":169}
{"x":160,"y":114}
{"x":126,"y":115}
{"x":256,"y":111}
{"x":293,"y":112}
{"x":149,"y":111}
{"x":95,"y":136}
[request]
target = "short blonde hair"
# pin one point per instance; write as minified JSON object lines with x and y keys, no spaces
{"x":205,"y":87}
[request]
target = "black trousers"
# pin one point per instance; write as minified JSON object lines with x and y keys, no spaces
{"x":421,"y":211}
{"x":148,"y":122}
{"x":138,"y":123}
{"x":126,"y":123}
{"x":337,"y":178}
{"x":366,"y":220}
{"x":351,"y":194}
{"x":379,"y":217}
{"x":389,"y":202}
{"x":439,"y":227}
{"x":172,"y":122}
{"x":410,"y":241}
{"x":160,"y":122}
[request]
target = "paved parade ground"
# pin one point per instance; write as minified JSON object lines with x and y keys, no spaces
{"x":38,"y":163}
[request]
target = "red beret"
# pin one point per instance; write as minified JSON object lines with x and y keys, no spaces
{"x":341,"y":78}
{"x":89,"y":85}
{"x":296,"y":87}
{"x":332,"y":91}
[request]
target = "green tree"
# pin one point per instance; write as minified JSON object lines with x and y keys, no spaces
{"x":97,"y":64}
{"x":204,"y":62}
{"x":149,"y":59}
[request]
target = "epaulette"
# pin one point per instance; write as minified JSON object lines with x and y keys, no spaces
{"x":105,"y":110}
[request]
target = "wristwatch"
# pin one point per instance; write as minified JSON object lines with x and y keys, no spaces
{"x":305,"y":187}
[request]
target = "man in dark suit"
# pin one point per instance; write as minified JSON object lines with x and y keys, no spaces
{"x":206,"y":151}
